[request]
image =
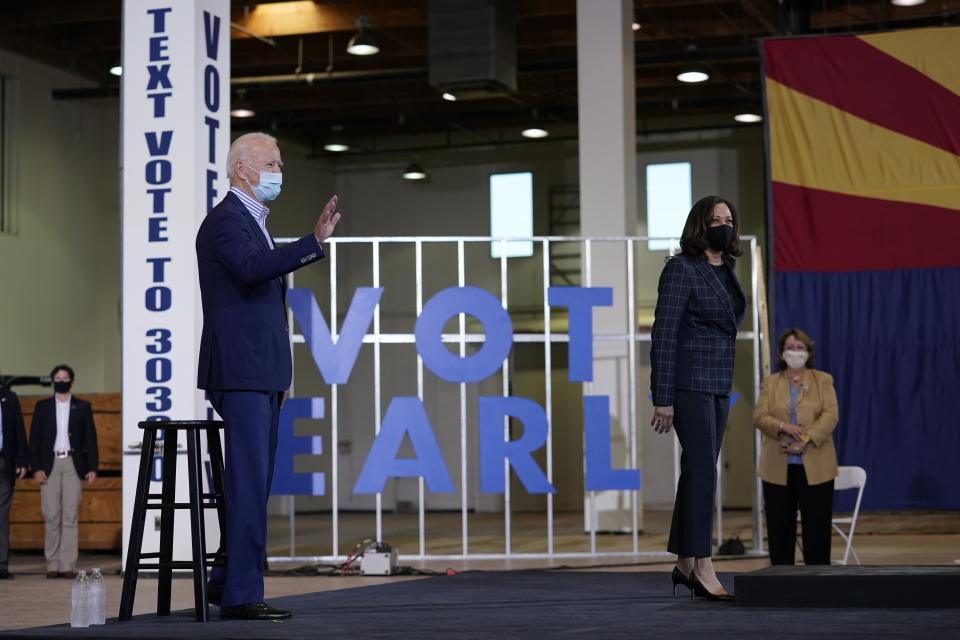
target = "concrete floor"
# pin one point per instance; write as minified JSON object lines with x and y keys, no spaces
{"x":882,"y":539}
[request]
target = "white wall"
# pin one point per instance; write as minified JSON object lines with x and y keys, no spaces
{"x":61,"y":270}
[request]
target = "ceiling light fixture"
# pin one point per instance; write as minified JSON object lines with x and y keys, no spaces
{"x":534,"y":130}
{"x":242,"y":107}
{"x":362,"y":43}
{"x":907,"y":3}
{"x":414,"y":172}
{"x":693,"y":75}
{"x":449,"y":97}
{"x":116,"y":69}
{"x":748,"y":117}
{"x":635,"y":26}
{"x":336,"y":143}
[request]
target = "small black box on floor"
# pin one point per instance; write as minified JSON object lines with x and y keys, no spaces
{"x":850,"y":586}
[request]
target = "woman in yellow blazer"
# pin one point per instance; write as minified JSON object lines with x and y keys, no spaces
{"x":797,"y":413}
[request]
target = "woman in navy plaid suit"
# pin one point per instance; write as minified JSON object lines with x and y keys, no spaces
{"x":699,"y":308}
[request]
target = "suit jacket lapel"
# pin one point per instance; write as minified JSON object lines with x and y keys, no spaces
{"x":707,"y":272}
{"x":255,"y":229}
{"x":72,"y":421}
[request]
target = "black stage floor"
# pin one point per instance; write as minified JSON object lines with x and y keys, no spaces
{"x":530,"y":604}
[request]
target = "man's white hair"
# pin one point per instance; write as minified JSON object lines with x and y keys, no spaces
{"x":240,"y":149}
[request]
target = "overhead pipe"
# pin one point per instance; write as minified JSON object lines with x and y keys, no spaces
{"x":326,"y":76}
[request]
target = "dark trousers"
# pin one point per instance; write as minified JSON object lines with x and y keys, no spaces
{"x":816,"y":510}
{"x":6,"y":499}
{"x":699,"y":419}
{"x":250,"y":430}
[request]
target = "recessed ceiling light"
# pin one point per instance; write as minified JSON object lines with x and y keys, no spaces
{"x":116,"y":70}
{"x":242,"y":112}
{"x":692,"y":76}
{"x":907,"y":3}
{"x":635,"y":26}
{"x":449,"y":96}
{"x":534,"y":132}
{"x":336,"y":147}
{"x":748,"y":117}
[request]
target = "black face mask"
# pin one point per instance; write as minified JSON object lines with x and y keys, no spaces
{"x":719,"y":237}
{"x":62,"y":387}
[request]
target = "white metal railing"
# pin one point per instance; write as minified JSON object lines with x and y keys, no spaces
{"x":547,"y":338}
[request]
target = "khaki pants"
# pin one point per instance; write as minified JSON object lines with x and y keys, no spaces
{"x":60,"y":504}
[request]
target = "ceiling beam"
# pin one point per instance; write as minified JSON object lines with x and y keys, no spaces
{"x":764,"y":13}
{"x":63,"y":12}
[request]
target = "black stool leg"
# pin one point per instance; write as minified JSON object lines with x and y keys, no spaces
{"x":167,"y":519}
{"x":135,"y":543}
{"x":216,"y":473}
{"x":197,"y":528}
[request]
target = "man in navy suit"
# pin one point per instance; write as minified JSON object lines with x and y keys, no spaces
{"x":245,"y":364}
{"x":13,"y":466}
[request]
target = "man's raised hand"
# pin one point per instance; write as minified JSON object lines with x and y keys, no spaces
{"x":327,"y":221}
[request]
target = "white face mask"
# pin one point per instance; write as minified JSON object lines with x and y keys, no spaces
{"x":795,"y":359}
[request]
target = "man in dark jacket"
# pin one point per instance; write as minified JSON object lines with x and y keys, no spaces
{"x":13,"y":466}
{"x":245,"y":364}
{"x":63,"y":453}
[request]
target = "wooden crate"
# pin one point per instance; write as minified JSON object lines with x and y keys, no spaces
{"x":101,"y":506}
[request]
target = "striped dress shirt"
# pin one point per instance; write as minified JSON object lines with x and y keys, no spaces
{"x":257,"y":210}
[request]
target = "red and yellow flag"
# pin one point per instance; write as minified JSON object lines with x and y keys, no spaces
{"x":864,"y":138}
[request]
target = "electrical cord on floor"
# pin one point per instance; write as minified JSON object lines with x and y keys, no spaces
{"x":339,"y":571}
{"x":349,"y":567}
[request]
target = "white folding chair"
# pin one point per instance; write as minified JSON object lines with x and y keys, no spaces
{"x":849,"y":478}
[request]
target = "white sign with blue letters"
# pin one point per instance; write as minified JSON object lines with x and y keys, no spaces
{"x":406,"y":416}
{"x":176,"y":133}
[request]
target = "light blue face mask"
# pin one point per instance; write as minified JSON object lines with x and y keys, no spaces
{"x":269,"y":187}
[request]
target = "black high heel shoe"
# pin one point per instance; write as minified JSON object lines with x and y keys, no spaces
{"x":696,"y":587}
{"x":678,"y":578}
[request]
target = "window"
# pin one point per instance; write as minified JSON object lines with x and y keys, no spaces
{"x":511,"y":213}
{"x":669,"y":198}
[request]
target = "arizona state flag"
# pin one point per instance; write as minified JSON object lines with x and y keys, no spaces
{"x":864,"y":148}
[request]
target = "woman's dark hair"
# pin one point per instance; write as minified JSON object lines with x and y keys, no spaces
{"x":62,"y":367}
{"x":693,"y":240}
{"x":800,"y":335}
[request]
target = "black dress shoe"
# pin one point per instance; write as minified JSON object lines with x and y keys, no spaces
{"x":253,"y":611}
{"x":5,"y":575}
{"x":214,"y":593}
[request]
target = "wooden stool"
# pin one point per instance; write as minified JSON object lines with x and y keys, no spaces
{"x":167,"y":504}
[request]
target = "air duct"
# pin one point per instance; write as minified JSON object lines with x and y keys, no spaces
{"x":473,"y":47}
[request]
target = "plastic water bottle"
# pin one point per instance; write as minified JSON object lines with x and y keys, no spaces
{"x":98,"y":597}
{"x":79,"y":597}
